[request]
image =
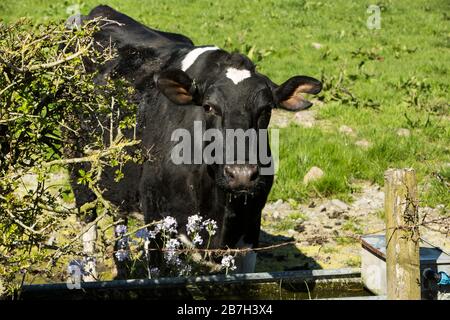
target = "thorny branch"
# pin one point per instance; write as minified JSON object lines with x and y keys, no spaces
{"x":46,"y":96}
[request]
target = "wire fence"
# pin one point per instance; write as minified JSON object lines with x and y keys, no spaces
{"x":444,"y":228}
{"x":440,"y":225}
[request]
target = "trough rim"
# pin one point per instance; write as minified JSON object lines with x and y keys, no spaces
{"x":247,"y":278}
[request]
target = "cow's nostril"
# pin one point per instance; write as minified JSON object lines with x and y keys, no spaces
{"x":229,"y":172}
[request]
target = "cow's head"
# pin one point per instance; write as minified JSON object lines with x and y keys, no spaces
{"x":234,"y":96}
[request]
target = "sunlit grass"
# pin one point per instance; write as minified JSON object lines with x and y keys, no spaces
{"x":398,"y":76}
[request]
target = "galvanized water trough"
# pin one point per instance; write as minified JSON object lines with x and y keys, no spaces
{"x":304,"y":284}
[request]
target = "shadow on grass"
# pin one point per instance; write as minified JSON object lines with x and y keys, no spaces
{"x":284,"y":258}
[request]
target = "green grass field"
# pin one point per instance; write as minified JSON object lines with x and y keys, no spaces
{"x":376,"y":81}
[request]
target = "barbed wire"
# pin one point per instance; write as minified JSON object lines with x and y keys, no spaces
{"x":67,"y":248}
{"x":357,"y":237}
{"x":220,"y":251}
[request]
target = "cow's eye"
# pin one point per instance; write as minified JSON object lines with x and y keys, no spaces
{"x":207,"y":108}
{"x":210,"y":109}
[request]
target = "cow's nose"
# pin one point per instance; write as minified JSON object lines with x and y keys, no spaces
{"x":240,"y":176}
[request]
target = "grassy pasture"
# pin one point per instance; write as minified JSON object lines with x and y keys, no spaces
{"x":376,"y":81}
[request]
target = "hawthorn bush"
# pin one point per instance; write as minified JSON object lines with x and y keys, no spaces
{"x":48,"y":91}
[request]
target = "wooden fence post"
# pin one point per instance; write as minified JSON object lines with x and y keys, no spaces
{"x":402,"y":235}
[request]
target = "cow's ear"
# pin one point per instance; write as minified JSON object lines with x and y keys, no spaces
{"x":289,"y":97}
{"x":176,"y":85}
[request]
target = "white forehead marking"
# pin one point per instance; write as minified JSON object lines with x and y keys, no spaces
{"x":237,"y":75}
{"x":192,"y":56}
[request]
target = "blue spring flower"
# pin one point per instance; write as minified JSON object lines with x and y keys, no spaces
{"x":142,"y":233}
{"x":75,"y":267}
{"x":122,"y":255}
{"x":121,"y":229}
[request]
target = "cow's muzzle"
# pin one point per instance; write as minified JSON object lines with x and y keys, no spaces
{"x":240,"y":177}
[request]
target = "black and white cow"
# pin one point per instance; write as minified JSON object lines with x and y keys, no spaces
{"x":179,"y":83}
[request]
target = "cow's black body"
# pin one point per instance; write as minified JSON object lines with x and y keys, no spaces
{"x":159,"y":187}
